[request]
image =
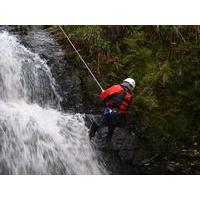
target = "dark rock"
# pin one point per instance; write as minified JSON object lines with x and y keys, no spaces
{"x":66,"y":76}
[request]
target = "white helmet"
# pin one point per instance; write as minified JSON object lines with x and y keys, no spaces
{"x":130,"y":81}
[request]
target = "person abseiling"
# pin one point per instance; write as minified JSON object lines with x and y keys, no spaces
{"x":116,"y":100}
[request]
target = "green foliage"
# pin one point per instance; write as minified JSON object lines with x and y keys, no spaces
{"x":165,"y":62}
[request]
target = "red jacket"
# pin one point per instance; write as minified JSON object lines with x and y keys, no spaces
{"x":117,"y":96}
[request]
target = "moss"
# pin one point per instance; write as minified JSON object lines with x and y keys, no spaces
{"x":165,"y":62}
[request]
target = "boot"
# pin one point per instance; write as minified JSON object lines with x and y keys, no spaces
{"x":94,"y":127}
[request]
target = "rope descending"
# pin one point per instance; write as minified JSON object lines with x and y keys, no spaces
{"x":81,"y":58}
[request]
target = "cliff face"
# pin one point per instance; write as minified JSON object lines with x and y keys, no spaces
{"x":130,"y":151}
{"x":66,"y":75}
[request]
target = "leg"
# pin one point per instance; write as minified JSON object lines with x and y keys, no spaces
{"x":115,"y":120}
{"x":94,"y":127}
{"x":108,"y":121}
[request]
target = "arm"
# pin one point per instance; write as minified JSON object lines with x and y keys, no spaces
{"x":104,"y":94}
{"x":115,"y":89}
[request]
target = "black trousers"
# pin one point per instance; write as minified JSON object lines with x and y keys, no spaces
{"x":113,"y":120}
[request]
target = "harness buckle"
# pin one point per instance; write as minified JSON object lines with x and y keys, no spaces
{"x":107,"y":111}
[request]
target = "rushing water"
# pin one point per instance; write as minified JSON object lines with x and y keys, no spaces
{"x":35,"y":137}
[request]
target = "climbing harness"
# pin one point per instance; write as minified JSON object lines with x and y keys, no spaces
{"x":107,"y":112}
{"x":81,"y":58}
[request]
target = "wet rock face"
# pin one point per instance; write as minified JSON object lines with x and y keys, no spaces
{"x":66,"y":76}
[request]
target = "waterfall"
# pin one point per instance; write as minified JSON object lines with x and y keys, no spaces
{"x":35,"y":136}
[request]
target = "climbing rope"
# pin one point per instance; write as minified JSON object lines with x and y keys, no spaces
{"x":81,"y":58}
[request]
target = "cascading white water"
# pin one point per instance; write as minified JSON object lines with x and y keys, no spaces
{"x":36,"y":138}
